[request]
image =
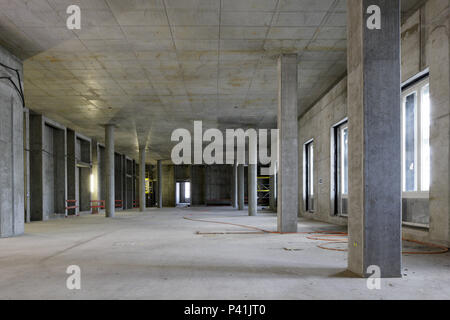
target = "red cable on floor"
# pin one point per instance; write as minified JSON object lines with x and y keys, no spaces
{"x":324,"y":236}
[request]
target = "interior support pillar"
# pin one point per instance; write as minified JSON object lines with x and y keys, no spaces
{"x":288,"y":143}
{"x":272,"y":193}
{"x":241,"y":186}
{"x":374,"y":221}
{"x":234,"y":195}
{"x":109,"y":165}
{"x":160,"y":195}
{"x":253,"y":181}
{"x":142,"y":179}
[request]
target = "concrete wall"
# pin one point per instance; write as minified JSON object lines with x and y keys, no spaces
{"x":197,"y":185}
{"x":125,"y":179}
{"x":317,"y":124}
{"x":218,"y":184}
{"x":48,"y":178}
{"x":425,"y":39}
{"x":211,"y":184}
{"x":11,"y":156}
{"x":26,"y":164}
{"x":129,"y":184}
{"x":437,"y":26}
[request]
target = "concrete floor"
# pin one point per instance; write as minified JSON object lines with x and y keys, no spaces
{"x":158,"y":255}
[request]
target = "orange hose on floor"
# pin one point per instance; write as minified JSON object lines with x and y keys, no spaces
{"x":324,"y":236}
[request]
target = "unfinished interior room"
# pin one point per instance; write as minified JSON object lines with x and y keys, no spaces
{"x":224,"y":149}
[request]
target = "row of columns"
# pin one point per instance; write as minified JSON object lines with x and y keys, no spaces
{"x":375,"y":137}
{"x":284,"y":200}
{"x":109,"y":165}
{"x":374,"y":123}
{"x":238,"y":185}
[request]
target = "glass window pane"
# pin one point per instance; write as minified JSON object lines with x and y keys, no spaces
{"x":409,"y":143}
{"x":309,"y":172}
{"x":344,"y":160}
{"x":311,"y":169}
{"x":187,"y":190}
{"x":425,"y":143}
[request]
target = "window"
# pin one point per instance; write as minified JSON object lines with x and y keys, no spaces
{"x":341,"y":168}
{"x":416,"y":139}
{"x":187,"y":191}
{"x":309,"y":176}
{"x":183,"y":192}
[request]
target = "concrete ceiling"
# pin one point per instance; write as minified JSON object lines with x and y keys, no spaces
{"x":151,"y":66}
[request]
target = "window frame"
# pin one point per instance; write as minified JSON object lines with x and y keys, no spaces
{"x":336,"y":167}
{"x":308,"y":181}
{"x":416,"y":88}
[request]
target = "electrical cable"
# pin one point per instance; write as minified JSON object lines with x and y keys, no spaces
{"x":331,"y":237}
{"x":18,"y":88}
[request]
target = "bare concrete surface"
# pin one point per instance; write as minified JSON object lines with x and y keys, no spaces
{"x":159,"y":255}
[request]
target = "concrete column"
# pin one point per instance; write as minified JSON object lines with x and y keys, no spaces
{"x":142,"y":179}
{"x":241,"y":186}
{"x":109,"y":164}
{"x":438,"y":22}
{"x":288,"y":143}
{"x":160,"y":195}
{"x":253,"y":180}
{"x":124,"y":182}
{"x":11,"y":157}
{"x":234,"y":195}
{"x":272,"y":194}
{"x":374,"y":221}
{"x":252,"y":190}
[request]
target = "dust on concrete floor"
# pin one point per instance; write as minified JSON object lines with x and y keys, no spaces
{"x":158,"y":255}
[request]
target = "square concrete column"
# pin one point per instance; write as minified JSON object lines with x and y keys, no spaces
{"x":252,"y":190}
{"x":11,"y":162}
{"x":272,"y":193}
{"x":234,"y":195}
{"x":160,"y":192}
{"x":288,"y":143}
{"x":241,"y":185}
{"x":109,"y":164}
{"x":253,"y":180}
{"x":142,"y":179}
{"x":374,"y":219}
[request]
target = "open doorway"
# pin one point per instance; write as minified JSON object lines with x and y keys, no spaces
{"x":183,"y":193}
